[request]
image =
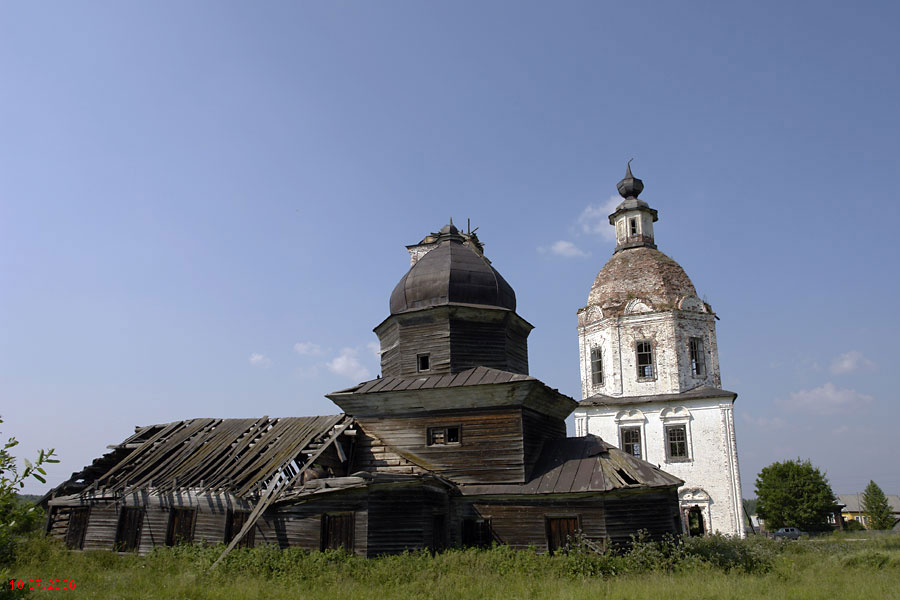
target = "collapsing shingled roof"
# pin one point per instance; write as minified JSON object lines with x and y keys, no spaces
{"x":579,"y":465}
{"x":240,"y":456}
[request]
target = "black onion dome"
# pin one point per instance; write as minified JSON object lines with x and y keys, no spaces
{"x":452,"y":273}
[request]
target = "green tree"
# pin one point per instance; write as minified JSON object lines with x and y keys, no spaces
{"x":17,"y":516}
{"x":794,"y":494}
{"x":876,"y":507}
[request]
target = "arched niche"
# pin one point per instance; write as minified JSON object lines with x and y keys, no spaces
{"x":632,"y":415}
{"x":637,"y":306}
{"x":675,"y":413}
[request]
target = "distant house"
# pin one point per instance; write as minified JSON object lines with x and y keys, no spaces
{"x":852,"y":510}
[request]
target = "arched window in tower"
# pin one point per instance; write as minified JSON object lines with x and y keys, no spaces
{"x":698,"y":357}
{"x":596,"y":366}
{"x":645,"y":368}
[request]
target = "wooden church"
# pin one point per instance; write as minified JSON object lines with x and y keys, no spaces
{"x":455,"y":444}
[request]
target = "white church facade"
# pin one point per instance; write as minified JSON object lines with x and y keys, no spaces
{"x":650,"y":371}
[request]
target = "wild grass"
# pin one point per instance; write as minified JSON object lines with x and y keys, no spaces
{"x":710,"y":567}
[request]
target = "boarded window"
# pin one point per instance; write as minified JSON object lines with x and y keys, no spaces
{"x":676,"y":442}
{"x":477,"y":532}
{"x":698,"y":357}
{"x":128,"y":533}
{"x":337,"y":532}
{"x":631,"y":440}
{"x":234,"y":522}
{"x":644,"y":360}
{"x":439,"y":436}
{"x":560,"y":532}
{"x":596,"y":366}
{"x":181,"y":526}
{"x":78,"y":520}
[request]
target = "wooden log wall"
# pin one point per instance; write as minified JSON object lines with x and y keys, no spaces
{"x":402,"y":518}
{"x":537,"y":429}
{"x":456,"y":338}
{"x":404,"y":337}
{"x":657,"y":513}
{"x":490,"y":448}
{"x":300,"y":525}
{"x":522,"y":523}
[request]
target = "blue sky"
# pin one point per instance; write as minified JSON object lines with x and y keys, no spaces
{"x":204,"y":205}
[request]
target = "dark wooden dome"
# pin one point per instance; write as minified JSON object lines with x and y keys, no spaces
{"x":452,"y":273}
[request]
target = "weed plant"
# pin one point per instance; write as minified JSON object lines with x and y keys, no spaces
{"x":707,"y":567}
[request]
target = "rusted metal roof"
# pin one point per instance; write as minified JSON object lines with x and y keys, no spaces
{"x":582,"y":464}
{"x":694,"y":394}
{"x":236,"y":455}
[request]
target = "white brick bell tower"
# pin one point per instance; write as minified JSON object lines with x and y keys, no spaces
{"x":650,"y":371}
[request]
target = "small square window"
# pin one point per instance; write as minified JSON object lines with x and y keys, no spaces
{"x":423,"y":362}
{"x":441,"y":436}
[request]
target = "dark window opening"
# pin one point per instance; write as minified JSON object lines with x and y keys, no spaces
{"x":561,"y":531}
{"x":234,"y":522}
{"x":441,"y":436}
{"x":645,"y":360}
{"x":423,"y":362}
{"x":78,"y":520}
{"x":477,"y":533}
{"x":698,"y":357}
{"x":596,"y":366}
{"x":695,"y":521}
{"x":676,"y":442}
{"x":337,"y":532}
{"x":631,"y":440}
{"x":181,"y":526}
{"x":633,"y":224}
{"x":128,"y":533}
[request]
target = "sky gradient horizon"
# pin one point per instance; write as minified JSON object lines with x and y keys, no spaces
{"x":204,"y":206}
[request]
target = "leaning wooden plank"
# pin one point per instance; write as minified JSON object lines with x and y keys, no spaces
{"x":277,"y":488}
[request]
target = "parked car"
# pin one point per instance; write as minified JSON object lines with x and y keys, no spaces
{"x":788,"y":533}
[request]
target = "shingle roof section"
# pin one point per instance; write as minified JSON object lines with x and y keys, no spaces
{"x":582,"y":464}
{"x":469,"y":377}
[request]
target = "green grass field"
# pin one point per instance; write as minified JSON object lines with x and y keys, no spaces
{"x":830,"y":567}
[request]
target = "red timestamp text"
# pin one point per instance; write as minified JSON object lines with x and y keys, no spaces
{"x":36,"y":584}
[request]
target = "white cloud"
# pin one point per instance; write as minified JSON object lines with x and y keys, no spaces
{"x":260,"y":360}
{"x":375,"y":349}
{"x":850,"y":362}
{"x":307,"y":348}
{"x":827,"y":400}
{"x":347,"y":364}
{"x":563,"y":248}
{"x":594,"y":219}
